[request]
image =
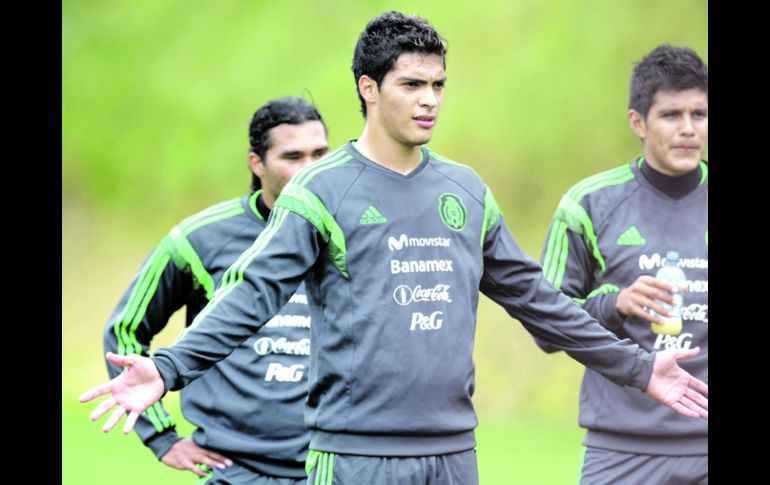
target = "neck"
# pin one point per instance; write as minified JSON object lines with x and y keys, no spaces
{"x":387,"y":152}
{"x":267,"y":199}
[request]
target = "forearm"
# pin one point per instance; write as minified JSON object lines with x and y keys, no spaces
{"x":253,"y":289}
{"x":516,"y":282}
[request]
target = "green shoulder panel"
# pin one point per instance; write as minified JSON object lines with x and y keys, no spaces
{"x":306,"y":204}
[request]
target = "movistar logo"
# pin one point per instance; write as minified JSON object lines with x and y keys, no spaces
{"x":631,"y":237}
{"x":372,"y":216}
{"x":452,"y":211}
{"x":405,"y":242}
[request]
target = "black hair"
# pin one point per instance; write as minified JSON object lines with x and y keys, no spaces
{"x":666,"y":68}
{"x":386,"y":37}
{"x":289,"y":110}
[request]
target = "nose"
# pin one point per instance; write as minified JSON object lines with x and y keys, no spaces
{"x":687,"y":128}
{"x":428,"y":98}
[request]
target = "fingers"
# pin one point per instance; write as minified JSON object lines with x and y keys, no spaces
{"x":130,"y":422}
{"x":214,"y":463}
{"x":102,"y":408}
{"x":687,"y":354}
{"x":119,"y":360}
{"x":697,"y":398}
{"x":678,"y":407}
{"x":699,"y":386}
{"x":114,"y":418}
{"x":215,"y":459}
{"x":689,"y":404}
{"x":96,"y":392}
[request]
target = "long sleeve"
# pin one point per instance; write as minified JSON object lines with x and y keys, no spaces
{"x":570,"y":266}
{"x":159,"y":289}
{"x":252,"y":290}
{"x":516,"y":282}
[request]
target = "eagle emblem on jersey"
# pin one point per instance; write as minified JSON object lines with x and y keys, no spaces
{"x":452,"y":211}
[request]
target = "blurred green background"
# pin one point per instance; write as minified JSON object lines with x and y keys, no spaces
{"x":156,"y":100}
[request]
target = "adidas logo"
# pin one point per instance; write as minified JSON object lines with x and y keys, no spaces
{"x":631,"y":237}
{"x":372,"y":216}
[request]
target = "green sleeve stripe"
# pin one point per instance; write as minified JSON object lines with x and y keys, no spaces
{"x":305,"y":174}
{"x":153,"y":285}
{"x":307,"y":205}
{"x":615,"y":176}
{"x":598,"y":178}
{"x":187,"y":229}
{"x":562,"y":264}
{"x":214,"y":211}
{"x":155,"y":264}
{"x":190,"y":256}
{"x":149,"y":413}
{"x":311,"y":461}
{"x":133,"y":312}
{"x":704,"y":170}
{"x":549,"y":263}
{"x":245,"y":259}
{"x":321,"y":469}
{"x":317,"y":169}
{"x":320,"y":163}
{"x":325,"y":473}
{"x":578,"y":220}
{"x":234,"y":274}
{"x":330,"y":474}
{"x":605,"y":289}
{"x":169,"y":419}
{"x":491,"y":215}
{"x":164,"y":418}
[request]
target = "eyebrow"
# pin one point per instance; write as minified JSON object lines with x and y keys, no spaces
{"x":419,"y":80}
{"x":299,"y":152}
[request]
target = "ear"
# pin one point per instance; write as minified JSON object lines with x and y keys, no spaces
{"x":637,"y":123}
{"x":256,"y":165}
{"x":368,"y":89}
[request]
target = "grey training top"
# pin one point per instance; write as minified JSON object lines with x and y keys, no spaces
{"x":249,"y":406}
{"x":393,"y":266}
{"x":608,"y":230}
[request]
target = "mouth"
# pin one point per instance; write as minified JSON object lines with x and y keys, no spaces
{"x":686,"y":148}
{"x":425,"y":121}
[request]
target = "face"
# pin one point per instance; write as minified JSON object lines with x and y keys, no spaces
{"x":291,"y":148}
{"x":407,"y":104}
{"x":675,"y":133}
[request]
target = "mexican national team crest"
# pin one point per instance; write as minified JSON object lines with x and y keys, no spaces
{"x":452,"y":211}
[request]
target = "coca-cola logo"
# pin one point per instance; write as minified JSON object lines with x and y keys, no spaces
{"x":404,"y":295}
{"x":267,"y":345}
{"x":696,"y":311}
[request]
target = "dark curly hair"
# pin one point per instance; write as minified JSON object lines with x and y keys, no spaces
{"x":386,"y":37}
{"x":666,"y":68}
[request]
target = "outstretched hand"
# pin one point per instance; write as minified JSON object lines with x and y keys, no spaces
{"x":137,"y":388}
{"x":675,"y":387}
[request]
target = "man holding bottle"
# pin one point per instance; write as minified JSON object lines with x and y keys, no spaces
{"x":611,"y":232}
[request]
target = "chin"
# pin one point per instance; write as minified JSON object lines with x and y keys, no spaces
{"x":422,"y":140}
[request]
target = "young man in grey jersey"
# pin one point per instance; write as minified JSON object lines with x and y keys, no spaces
{"x":394,"y":243}
{"x":609,"y":235}
{"x":248,"y":407}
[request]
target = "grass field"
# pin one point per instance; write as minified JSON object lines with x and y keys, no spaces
{"x":532,"y":452}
